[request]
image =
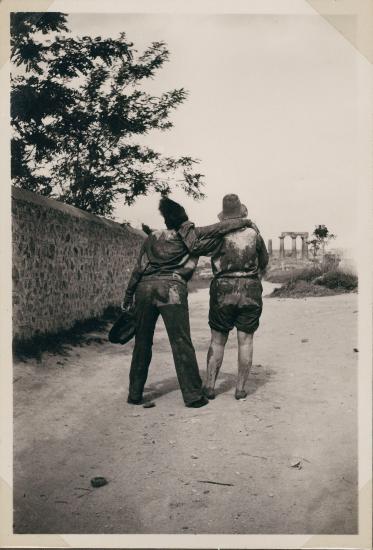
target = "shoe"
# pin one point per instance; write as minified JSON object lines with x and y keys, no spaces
{"x":200,"y":403}
{"x":132,"y":401}
{"x":240,"y":394}
{"x":209,"y":393}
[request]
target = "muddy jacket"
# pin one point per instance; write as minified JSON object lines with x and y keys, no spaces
{"x":175,"y":253}
{"x":241,"y":253}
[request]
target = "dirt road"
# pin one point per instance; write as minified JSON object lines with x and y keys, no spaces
{"x":283,"y":461}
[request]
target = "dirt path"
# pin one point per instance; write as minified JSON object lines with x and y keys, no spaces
{"x":287,"y":454}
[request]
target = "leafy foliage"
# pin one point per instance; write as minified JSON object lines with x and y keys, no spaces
{"x":338,"y":279}
{"x":321,"y":238}
{"x":322,"y":233}
{"x":318,"y":280}
{"x":77,"y":109}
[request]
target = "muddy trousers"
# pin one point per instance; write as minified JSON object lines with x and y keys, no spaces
{"x":168,"y":298}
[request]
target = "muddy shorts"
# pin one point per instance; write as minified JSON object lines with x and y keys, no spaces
{"x":235,"y":302}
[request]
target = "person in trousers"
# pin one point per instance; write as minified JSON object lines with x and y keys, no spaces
{"x":166,"y":262}
{"x":238,"y":264}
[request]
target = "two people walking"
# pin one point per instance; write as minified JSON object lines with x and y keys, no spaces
{"x":158,"y":284}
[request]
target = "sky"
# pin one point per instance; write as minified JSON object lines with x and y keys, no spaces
{"x":271,"y":114}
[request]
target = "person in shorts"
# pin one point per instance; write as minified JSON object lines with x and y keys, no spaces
{"x":238,"y":263}
{"x":158,"y":283}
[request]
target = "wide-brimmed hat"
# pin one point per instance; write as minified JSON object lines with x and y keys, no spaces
{"x":124,"y":328}
{"x":232,"y":208}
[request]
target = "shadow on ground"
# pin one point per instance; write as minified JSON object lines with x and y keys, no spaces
{"x":225,"y":383}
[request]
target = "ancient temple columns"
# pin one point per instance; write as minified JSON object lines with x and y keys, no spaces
{"x":282,"y":247}
{"x":294,"y":246}
{"x":304,"y":248}
{"x":294,"y":235}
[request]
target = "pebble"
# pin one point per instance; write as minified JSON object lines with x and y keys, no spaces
{"x":98,"y":481}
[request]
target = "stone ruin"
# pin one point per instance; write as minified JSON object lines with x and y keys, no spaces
{"x":293,"y":234}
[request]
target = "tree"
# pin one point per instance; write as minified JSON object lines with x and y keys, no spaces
{"x":315,"y":247}
{"x":77,"y":109}
{"x":322,"y":236}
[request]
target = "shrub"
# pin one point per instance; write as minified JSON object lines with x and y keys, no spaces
{"x":307,"y":274}
{"x":301,"y":289}
{"x":297,"y":274}
{"x":304,"y":283}
{"x":338,"y":279}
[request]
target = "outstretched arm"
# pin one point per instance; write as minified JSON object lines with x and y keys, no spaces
{"x":203,"y":240}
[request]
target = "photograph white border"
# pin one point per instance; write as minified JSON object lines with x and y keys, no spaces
{"x":364,"y":187}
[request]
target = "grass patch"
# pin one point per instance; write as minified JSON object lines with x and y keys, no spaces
{"x":300,"y":289}
{"x":60,"y":343}
{"x":305,"y":274}
{"x":338,"y":280}
{"x":315,"y":281}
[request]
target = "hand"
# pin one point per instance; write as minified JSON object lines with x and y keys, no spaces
{"x":254,"y":226}
{"x":127,"y":304}
{"x":251,"y":224}
{"x":146,"y":228}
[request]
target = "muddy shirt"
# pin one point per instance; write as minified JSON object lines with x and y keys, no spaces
{"x":241,"y":253}
{"x":169,"y":252}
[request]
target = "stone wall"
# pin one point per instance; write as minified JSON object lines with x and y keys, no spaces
{"x":68,"y":265}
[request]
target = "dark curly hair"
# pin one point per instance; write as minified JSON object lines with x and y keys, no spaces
{"x":173,"y":213}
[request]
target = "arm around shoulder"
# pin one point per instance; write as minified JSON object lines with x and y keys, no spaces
{"x":263,"y":257}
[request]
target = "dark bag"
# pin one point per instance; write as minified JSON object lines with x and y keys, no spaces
{"x":124,"y":328}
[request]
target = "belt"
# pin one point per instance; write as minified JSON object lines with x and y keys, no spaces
{"x":248,"y":276}
{"x":173,"y":276}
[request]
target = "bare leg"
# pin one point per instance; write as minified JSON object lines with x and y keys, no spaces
{"x":245,"y":360}
{"x":214,"y":360}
